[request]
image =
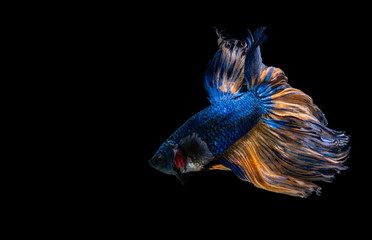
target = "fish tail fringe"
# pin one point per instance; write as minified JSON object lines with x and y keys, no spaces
{"x":290,"y":147}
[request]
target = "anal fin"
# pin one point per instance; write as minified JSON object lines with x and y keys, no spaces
{"x":219,"y":167}
{"x":216,"y":165}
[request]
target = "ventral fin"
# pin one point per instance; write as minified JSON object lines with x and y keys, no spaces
{"x":183,"y":177}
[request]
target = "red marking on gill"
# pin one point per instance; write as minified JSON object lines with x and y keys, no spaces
{"x":179,"y":160}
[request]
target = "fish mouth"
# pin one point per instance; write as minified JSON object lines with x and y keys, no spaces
{"x":151,"y":163}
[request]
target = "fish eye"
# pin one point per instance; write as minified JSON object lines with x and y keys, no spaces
{"x":159,"y":159}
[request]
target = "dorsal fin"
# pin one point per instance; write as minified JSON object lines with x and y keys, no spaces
{"x":225,"y":73}
{"x":253,"y":62}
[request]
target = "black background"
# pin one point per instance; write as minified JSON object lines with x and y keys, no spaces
{"x":151,"y":81}
{"x":118,"y":80}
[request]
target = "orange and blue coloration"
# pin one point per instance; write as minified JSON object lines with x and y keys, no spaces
{"x":257,"y":126}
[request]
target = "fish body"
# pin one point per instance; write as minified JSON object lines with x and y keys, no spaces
{"x":257,"y":126}
{"x":220,"y":125}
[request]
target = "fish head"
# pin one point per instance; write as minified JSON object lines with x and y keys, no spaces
{"x":164,"y":159}
{"x":190,"y":154}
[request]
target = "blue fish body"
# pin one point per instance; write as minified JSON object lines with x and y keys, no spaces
{"x":257,"y":126}
{"x":221,"y":125}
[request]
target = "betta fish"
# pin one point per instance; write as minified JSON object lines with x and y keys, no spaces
{"x":257,"y":126}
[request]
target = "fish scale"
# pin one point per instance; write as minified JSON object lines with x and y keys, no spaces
{"x":222,"y":124}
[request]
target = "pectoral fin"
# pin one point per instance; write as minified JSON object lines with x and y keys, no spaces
{"x":195,"y":152}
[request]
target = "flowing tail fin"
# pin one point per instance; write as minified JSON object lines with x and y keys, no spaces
{"x":290,"y":147}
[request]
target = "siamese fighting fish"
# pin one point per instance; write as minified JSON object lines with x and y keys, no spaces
{"x":257,"y":126}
